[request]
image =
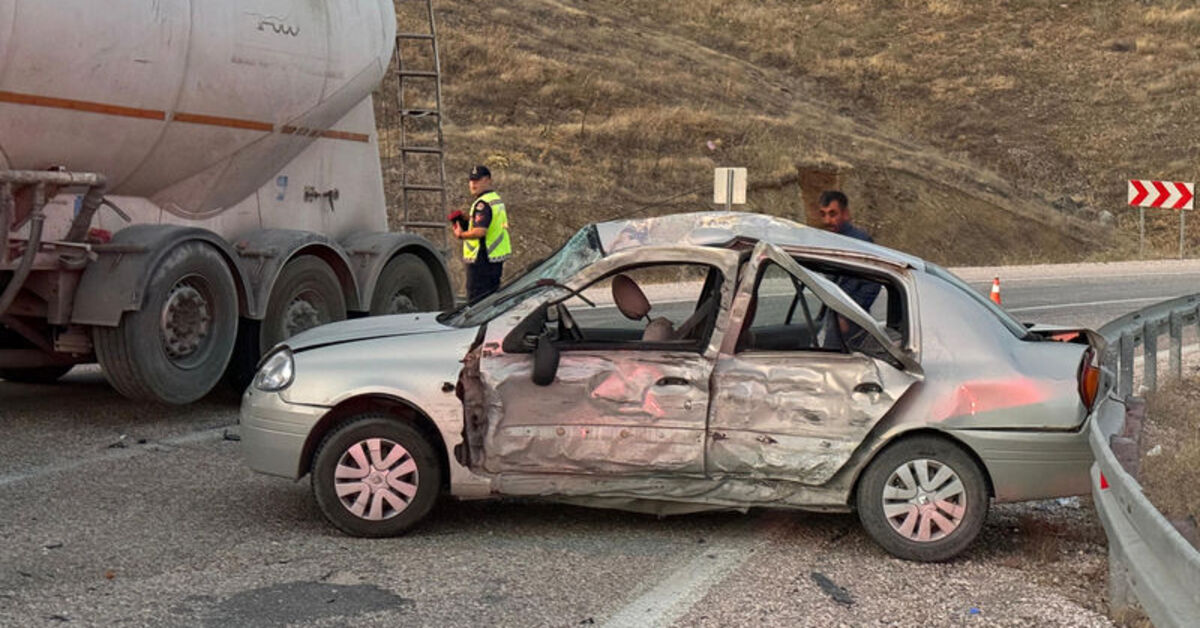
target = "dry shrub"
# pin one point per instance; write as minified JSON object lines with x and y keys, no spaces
{"x":1173,"y":18}
{"x":1169,"y":479}
{"x":1041,"y":539}
{"x":1131,"y":617}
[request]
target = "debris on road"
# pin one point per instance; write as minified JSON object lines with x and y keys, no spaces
{"x":839,"y":594}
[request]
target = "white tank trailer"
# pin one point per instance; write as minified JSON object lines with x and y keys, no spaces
{"x":184,"y":183}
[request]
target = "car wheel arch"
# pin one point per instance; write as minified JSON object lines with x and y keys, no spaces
{"x":915,"y":433}
{"x":394,"y":407}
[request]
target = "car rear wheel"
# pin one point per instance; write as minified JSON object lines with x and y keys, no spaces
{"x":376,"y":476}
{"x":923,"y":499}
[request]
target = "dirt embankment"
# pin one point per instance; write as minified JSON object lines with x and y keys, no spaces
{"x":969,"y":133}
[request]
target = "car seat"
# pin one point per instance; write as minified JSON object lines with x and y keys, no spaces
{"x":632,"y":302}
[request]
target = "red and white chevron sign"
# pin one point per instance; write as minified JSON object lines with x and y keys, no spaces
{"x":1169,"y":194}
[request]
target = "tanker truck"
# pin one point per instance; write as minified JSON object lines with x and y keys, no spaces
{"x":185,"y":183}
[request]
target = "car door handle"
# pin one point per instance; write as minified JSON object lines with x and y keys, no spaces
{"x":672,"y":381}
{"x":868,"y":387}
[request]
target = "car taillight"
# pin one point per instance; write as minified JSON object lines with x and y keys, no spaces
{"x":1089,"y":379}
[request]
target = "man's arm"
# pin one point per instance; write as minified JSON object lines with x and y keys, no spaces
{"x":474,"y":233}
{"x":481,"y":218}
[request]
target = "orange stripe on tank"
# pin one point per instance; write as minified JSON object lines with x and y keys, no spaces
{"x":233,"y":123}
{"x":81,"y":105}
{"x":188,"y":118}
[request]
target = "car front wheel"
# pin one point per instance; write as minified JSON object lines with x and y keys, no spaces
{"x":923,"y":499}
{"x":376,"y":476}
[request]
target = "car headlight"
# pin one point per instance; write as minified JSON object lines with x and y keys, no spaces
{"x":276,"y":372}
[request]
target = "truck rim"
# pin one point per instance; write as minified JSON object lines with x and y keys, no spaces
{"x":376,"y":479}
{"x":186,"y":321}
{"x":304,"y":312}
{"x":401,"y":303}
{"x":924,"y":500}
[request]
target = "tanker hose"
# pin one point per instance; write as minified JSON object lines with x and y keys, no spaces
{"x":91,"y":202}
{"x":31,"y":250}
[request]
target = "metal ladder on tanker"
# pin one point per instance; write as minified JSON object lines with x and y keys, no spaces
{"x":411,"y":153}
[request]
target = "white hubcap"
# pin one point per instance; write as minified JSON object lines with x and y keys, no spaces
{"x":376,"y":479}
{"x":924,"y":500}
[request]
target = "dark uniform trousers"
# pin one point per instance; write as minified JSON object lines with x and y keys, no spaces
{"x":483,"y":276}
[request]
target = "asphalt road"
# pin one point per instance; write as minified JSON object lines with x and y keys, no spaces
{"x":119,"y":513}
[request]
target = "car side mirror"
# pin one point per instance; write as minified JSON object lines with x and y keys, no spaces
{"x":545,"y":361}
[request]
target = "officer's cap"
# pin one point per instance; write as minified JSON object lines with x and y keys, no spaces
{"x":479,"y":172}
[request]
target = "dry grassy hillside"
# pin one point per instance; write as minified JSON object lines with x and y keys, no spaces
{"x":964,"y":131}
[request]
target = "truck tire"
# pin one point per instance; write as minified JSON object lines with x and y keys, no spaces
{"x":307,"y":293}
{"x":35,"y":375}
{"x":405,"y":285}
{"x":176,"y":347}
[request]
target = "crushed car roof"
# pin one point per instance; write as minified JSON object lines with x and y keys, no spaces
{"x":718,"y":228}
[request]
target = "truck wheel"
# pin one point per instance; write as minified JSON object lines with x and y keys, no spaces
{"x":375,"y":476}
{"x":176,"y":347}
{"x":405,"y":285}
{"x":36,"y":375}
{"x":307,"y":293}
{"x":923,"y":499}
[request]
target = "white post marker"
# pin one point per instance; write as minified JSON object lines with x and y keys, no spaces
{"x":729,"y":187}
{"x":1169,"y":194}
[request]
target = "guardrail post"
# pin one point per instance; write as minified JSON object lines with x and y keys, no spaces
{"x":1125,"y":363}
{"x":1175,"y":322}
{"x":1150,"y":355}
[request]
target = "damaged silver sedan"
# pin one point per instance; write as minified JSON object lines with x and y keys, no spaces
{"x":685,"y":363}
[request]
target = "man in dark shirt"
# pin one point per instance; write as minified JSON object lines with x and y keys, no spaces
{"x":835,"y":216}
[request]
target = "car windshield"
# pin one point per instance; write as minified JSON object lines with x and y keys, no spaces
{"x":1011,"y":323}
{"x":579,"y":252}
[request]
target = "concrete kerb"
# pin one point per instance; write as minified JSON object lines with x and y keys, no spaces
{"x":1149,"y":560}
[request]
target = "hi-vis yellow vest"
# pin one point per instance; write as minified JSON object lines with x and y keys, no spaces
{"x":499,"y":245}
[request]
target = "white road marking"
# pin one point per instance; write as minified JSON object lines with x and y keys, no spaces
{"x":1064,"y":306}
{"x":672,"y":598}
{"x":131,"y":451}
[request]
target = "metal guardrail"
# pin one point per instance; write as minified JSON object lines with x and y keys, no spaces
{"x":1149,"y":561}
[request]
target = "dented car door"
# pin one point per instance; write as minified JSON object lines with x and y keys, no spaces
{"x":798,"y":415}
{"x":608,"y":411}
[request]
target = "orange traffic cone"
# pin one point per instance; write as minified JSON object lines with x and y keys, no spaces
{"x":996,"y":290}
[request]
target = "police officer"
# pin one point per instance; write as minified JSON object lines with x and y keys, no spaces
{"x":486,"y":243}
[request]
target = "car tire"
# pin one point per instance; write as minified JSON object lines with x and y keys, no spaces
{"x":176,"y":348}
{"x":405,"y":285}
{"x":898,"y":499}
{"x":384,"y":500}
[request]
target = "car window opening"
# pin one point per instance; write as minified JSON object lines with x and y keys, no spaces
{"x":662,"y":306}
{"x":785,"y":316}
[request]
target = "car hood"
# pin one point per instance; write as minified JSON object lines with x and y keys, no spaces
{"x":367,"y":328}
